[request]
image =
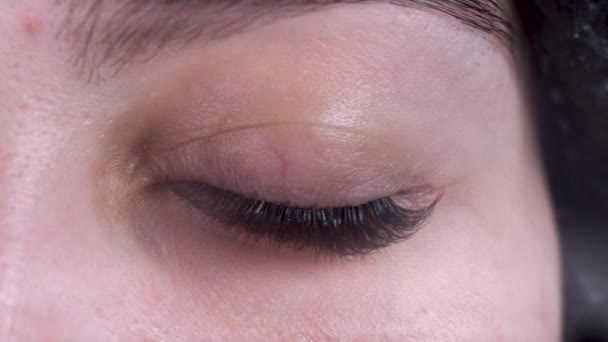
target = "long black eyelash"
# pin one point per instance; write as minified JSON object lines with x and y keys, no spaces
{"x":342,"y":231}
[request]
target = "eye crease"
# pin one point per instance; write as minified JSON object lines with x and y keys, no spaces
{"x":338,"y":231}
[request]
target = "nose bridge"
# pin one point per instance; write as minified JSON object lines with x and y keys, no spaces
{"x":26,"y":152}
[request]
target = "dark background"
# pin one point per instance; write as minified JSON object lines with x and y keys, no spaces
{"x":568,"y":48}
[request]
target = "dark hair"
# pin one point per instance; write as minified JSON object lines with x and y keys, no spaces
{"x":568,"y":45}
{"x":569,"y":49}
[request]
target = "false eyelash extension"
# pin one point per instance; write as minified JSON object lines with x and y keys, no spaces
{"x":344,"y":231}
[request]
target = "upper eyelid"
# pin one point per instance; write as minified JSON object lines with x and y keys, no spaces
{"x":356,"y":174}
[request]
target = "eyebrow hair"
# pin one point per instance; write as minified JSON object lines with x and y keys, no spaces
{"x":118,"y":33}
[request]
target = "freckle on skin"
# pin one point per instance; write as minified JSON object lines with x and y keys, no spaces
{"x":32,"y":26}
{"x":423,"y":312}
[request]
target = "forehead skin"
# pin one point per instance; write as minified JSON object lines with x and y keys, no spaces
{"x":85,"y":255}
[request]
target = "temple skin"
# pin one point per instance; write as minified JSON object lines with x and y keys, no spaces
{"x":334,"y":107}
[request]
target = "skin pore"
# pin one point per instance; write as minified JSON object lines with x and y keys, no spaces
{"x":330,"y":108}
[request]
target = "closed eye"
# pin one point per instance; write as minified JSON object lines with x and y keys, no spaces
{"x":343,"y":231}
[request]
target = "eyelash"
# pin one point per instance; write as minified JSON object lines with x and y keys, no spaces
{"x":344,"y":231}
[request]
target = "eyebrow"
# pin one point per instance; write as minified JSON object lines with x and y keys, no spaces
{"x":115,"y":34}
